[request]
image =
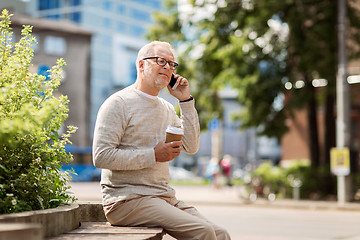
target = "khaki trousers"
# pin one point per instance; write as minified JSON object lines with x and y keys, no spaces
{"x":178,"y":219}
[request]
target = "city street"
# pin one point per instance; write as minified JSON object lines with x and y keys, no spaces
{"x":255,"y":223}
{"x":282,"y":220}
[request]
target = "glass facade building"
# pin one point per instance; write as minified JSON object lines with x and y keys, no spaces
{"x":118,"y":28}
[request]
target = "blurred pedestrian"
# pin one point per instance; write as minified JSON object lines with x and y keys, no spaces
{"x":226,"y":164}
{"x":213,"y":172}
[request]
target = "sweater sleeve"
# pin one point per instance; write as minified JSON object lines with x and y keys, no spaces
{"x":109,"y":129}
{"x":190,"y":122}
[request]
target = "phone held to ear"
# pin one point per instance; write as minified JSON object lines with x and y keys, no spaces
{"x":173,"y":82}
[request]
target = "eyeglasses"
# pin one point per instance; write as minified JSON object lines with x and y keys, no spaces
{"x":162,"y":62}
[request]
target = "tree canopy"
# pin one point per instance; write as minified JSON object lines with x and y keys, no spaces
{"x":256,"y":47}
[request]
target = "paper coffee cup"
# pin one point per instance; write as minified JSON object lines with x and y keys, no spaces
{"x":173,"y":134}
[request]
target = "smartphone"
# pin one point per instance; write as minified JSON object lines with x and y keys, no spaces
{"x":173,"y":82}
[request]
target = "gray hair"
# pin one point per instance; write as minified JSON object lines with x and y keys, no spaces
{"x":148,"y":50}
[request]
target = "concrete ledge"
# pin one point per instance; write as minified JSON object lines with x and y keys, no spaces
{"x":21,"y":231}
{"x":91,"y":211}
{"x":54,"y":221}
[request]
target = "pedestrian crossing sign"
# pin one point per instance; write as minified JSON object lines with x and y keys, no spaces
{"x":340,"y":161}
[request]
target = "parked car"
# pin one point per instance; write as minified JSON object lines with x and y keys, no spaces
{"x":84,"y":172}
{"x":177,"y":173}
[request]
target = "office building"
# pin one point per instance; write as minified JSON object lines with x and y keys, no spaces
{"x":118,"y":28}
{"x":72,"y":43}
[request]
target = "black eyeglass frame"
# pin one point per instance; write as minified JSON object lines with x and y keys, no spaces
{"x":174,"y":67}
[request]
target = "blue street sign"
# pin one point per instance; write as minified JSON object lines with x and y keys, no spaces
{"x":214,"y":124}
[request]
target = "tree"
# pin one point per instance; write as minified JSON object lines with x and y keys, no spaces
{"x":255,"y":47}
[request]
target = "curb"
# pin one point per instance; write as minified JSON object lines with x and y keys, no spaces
{"x":307,"y":204}
{"x":279,"y":203}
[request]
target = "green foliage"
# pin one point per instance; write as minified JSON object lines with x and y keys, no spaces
{"x":218,"y":49}
{"x":31,"y":148}
{"x":272,"y":176}
{"x":254,"y":47}
{"x":313,"y":183}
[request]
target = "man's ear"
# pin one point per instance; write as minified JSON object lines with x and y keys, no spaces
{"x":141,"y":64}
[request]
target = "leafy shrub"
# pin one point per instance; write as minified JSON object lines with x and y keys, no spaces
{"x":31,"y":149}
{"x":313,"y":182}
{"x":272,"y":176}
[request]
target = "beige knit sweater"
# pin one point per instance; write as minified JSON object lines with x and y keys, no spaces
{"x":128,"y":127}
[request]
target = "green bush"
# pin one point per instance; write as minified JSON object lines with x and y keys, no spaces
{"x":316,"y":183}
{"x":31,"y":148}
{"x":272,"y":177}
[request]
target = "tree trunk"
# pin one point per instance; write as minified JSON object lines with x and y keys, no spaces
{"x":329,"y":133}
{"x":312,"y":125}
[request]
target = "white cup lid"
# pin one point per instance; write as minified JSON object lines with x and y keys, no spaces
{"x":175,"y":130}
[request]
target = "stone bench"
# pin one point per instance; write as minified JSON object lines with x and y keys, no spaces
{"x":103,"y":230}
{"x":94,"y":226}
{"x":82,"y":220}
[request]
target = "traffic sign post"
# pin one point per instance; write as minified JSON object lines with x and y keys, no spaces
{"x":214,"y":124}
{"x":340,"y":161}
{"x":342,"y":104}
{"x":216,"y":138}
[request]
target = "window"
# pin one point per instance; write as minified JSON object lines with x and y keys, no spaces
{"x":121,"y":27}
{"x":121,"y":9}
{"x":107,"y":41}
{"x":106,"y":22}
{"x":141,"y":15}
{"x":107,"y":5}
{"x":137,"y":31}
{"x":48,"y":4}
{"x":75,"y":17}
{"x":55,"y":45}
{"x":151,"y":3}
{"x":42,"y":5}
{"x":75,"y":2}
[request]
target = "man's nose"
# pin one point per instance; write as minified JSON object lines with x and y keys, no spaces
{"x":167,"y":65}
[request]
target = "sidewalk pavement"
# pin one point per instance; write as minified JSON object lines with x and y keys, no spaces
{"x":205,"y":195}
{"x":229,"y":196}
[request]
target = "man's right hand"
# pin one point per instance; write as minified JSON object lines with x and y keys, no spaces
{"x":165,"y":152}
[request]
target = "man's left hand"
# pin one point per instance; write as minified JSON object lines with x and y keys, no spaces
{"x":182,"y":92}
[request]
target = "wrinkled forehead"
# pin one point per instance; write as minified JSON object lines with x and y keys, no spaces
{"x":164,"y":52}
